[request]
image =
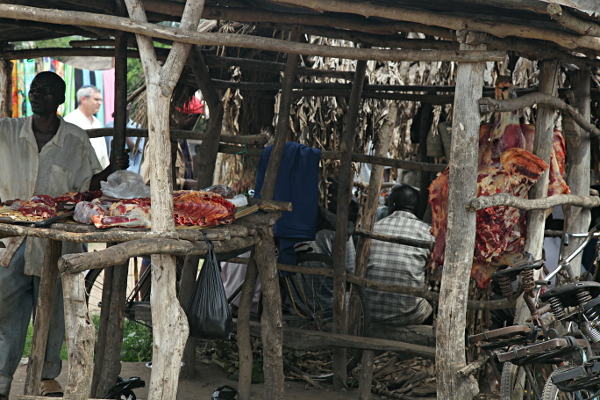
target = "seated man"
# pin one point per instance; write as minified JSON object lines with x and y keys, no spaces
{"x":399,"y":264}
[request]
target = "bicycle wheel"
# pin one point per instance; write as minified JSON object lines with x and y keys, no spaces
{"x":310,"y":303}
{"x":524,"y":382}
{"x":552,"y":392}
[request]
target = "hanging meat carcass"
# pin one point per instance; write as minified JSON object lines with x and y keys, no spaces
{"x":505,"y":165}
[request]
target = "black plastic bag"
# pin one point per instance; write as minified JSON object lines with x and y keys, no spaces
{"x":208,"y":312}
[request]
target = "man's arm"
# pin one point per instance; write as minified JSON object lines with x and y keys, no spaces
{"x":121,"y":162}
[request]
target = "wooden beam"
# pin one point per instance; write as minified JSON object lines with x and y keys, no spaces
{"x":393,"y":288}
{"x":370,"y":206}
{"x":569,"y":21}
{"x":341,"y":234}
{"x":487,"y":105}
{"x":496,"y":28}
{"x":252,"y":140}
{"x":5,"y":88}
{"x":180,"y":35}
{"x":577,"y":219}
{"x":243,"y":329}
{"x":544,"y":203}
{"x":542,"y":147}
{"x":43,"y":317}
{"x":283,"y":123}
{"x":256,"y":15}
{"x":423,"y":244}
{"x":120,"y":100}
{"x":460,"y":237}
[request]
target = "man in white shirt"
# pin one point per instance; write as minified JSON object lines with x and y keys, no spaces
{"x":40,"y":154}
{"x":89,"y":100}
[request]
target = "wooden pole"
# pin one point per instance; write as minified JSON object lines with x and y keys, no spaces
{"x":170,"y":328}
{"x":43,"y":316}
{"x":120,"y":113}
{"x":270,"y":321}
{"x":79,"y":330}
{"x":5,"y":88}
{"x":182,"y":35}
{"x":364,"y":244}
{"x":283,"y":121}
{"x":578,"y":167}
{"x":341,"y":234}
{"x":243,"y":329}
{"x":100,"y":347}
{"x":209,"y":149}
{"x":187,"y":283}
{"x":370,"y":206}
{"x":450,"y":335}
{"x":115,"y":308}
{"x":425,"y":178}
{"x":542,"y":147}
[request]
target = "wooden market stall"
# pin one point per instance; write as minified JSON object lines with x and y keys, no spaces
{"x":467,"y":32}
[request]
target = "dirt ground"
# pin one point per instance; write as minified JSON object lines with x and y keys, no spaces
{"x":208,"y":378}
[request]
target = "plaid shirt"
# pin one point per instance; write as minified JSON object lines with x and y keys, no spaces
{"x":401,"y":265}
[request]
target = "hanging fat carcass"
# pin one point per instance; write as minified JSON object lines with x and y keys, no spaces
{"x":505,"y":165}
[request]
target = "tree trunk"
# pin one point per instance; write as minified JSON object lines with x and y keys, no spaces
{"x":542,"y":147}
{"x":578,"y":163}
{"x":450,"y":336}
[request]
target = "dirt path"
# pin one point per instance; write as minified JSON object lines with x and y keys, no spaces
{"x":208,"y":378}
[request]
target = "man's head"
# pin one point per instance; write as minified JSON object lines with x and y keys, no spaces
{"x":89,"y":100}
{"x":404,"y":198}
{"x":46,"y":93}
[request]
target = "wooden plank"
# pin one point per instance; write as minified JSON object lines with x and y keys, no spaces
{"x":243,"y":329}
{"x":43,"y":316}
{"x":366,"y":375}
{"x":372,"y":201}
{"x":461,"y":235}
{"x":341,"y":233}
{"x":423,"y":244}
{"x":100,"y":347}
{"x":271,"y":319}
{"x":108,"y":375}
{"x":5,"y":88}
{"x":80,"y":338}
{"x":578,"y":166}
{"x":542,"y":147}
{"x":301,"y":339}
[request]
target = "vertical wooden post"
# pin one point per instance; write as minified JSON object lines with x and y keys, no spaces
{"x":578,"y":166}
{"x":270,"y":321}
{"x":5,"y":88}
{"x":283,"y":121}
{"x":100,"y":348}
{"x":424,"y":176}
{"x":209,"y":149}
{"x":111,"y":354}
{"x":187,"y":282}
{"x":43,"y":314}
{"x":341,"y":233}
{"x":450,"y":335}
{"x":542,"y":147}
{"x":170,"y":326}
{"x":370,"y":206}
{"x":243,"y":329}
{"x":120,"y":122}
{"x":80,"y":338}
{"x":364,"y":244}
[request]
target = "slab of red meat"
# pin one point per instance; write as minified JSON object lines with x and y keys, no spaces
{"x":39,"y":205}
{"x":504,"y":166}
{"x":76,"y":197}
{"x":194,"y":208}
{"x":138,"y":217}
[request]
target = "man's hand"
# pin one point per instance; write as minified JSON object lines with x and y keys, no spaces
{"x":121,"y":161}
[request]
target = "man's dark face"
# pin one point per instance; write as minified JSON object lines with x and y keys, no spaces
{"x":44,"y":96}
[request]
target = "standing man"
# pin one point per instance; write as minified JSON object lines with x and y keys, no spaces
{"x":89,"y":100}
{"x":40,"y":154}
{"x":399,"y":264}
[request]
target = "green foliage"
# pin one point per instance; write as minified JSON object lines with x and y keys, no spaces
{"x":41,"y":44}
{"x":137,"y":341}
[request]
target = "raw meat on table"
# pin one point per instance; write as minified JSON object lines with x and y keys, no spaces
{"x":84,"y":210}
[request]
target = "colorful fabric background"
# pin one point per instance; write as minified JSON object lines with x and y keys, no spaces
{"x":25,"y":70}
